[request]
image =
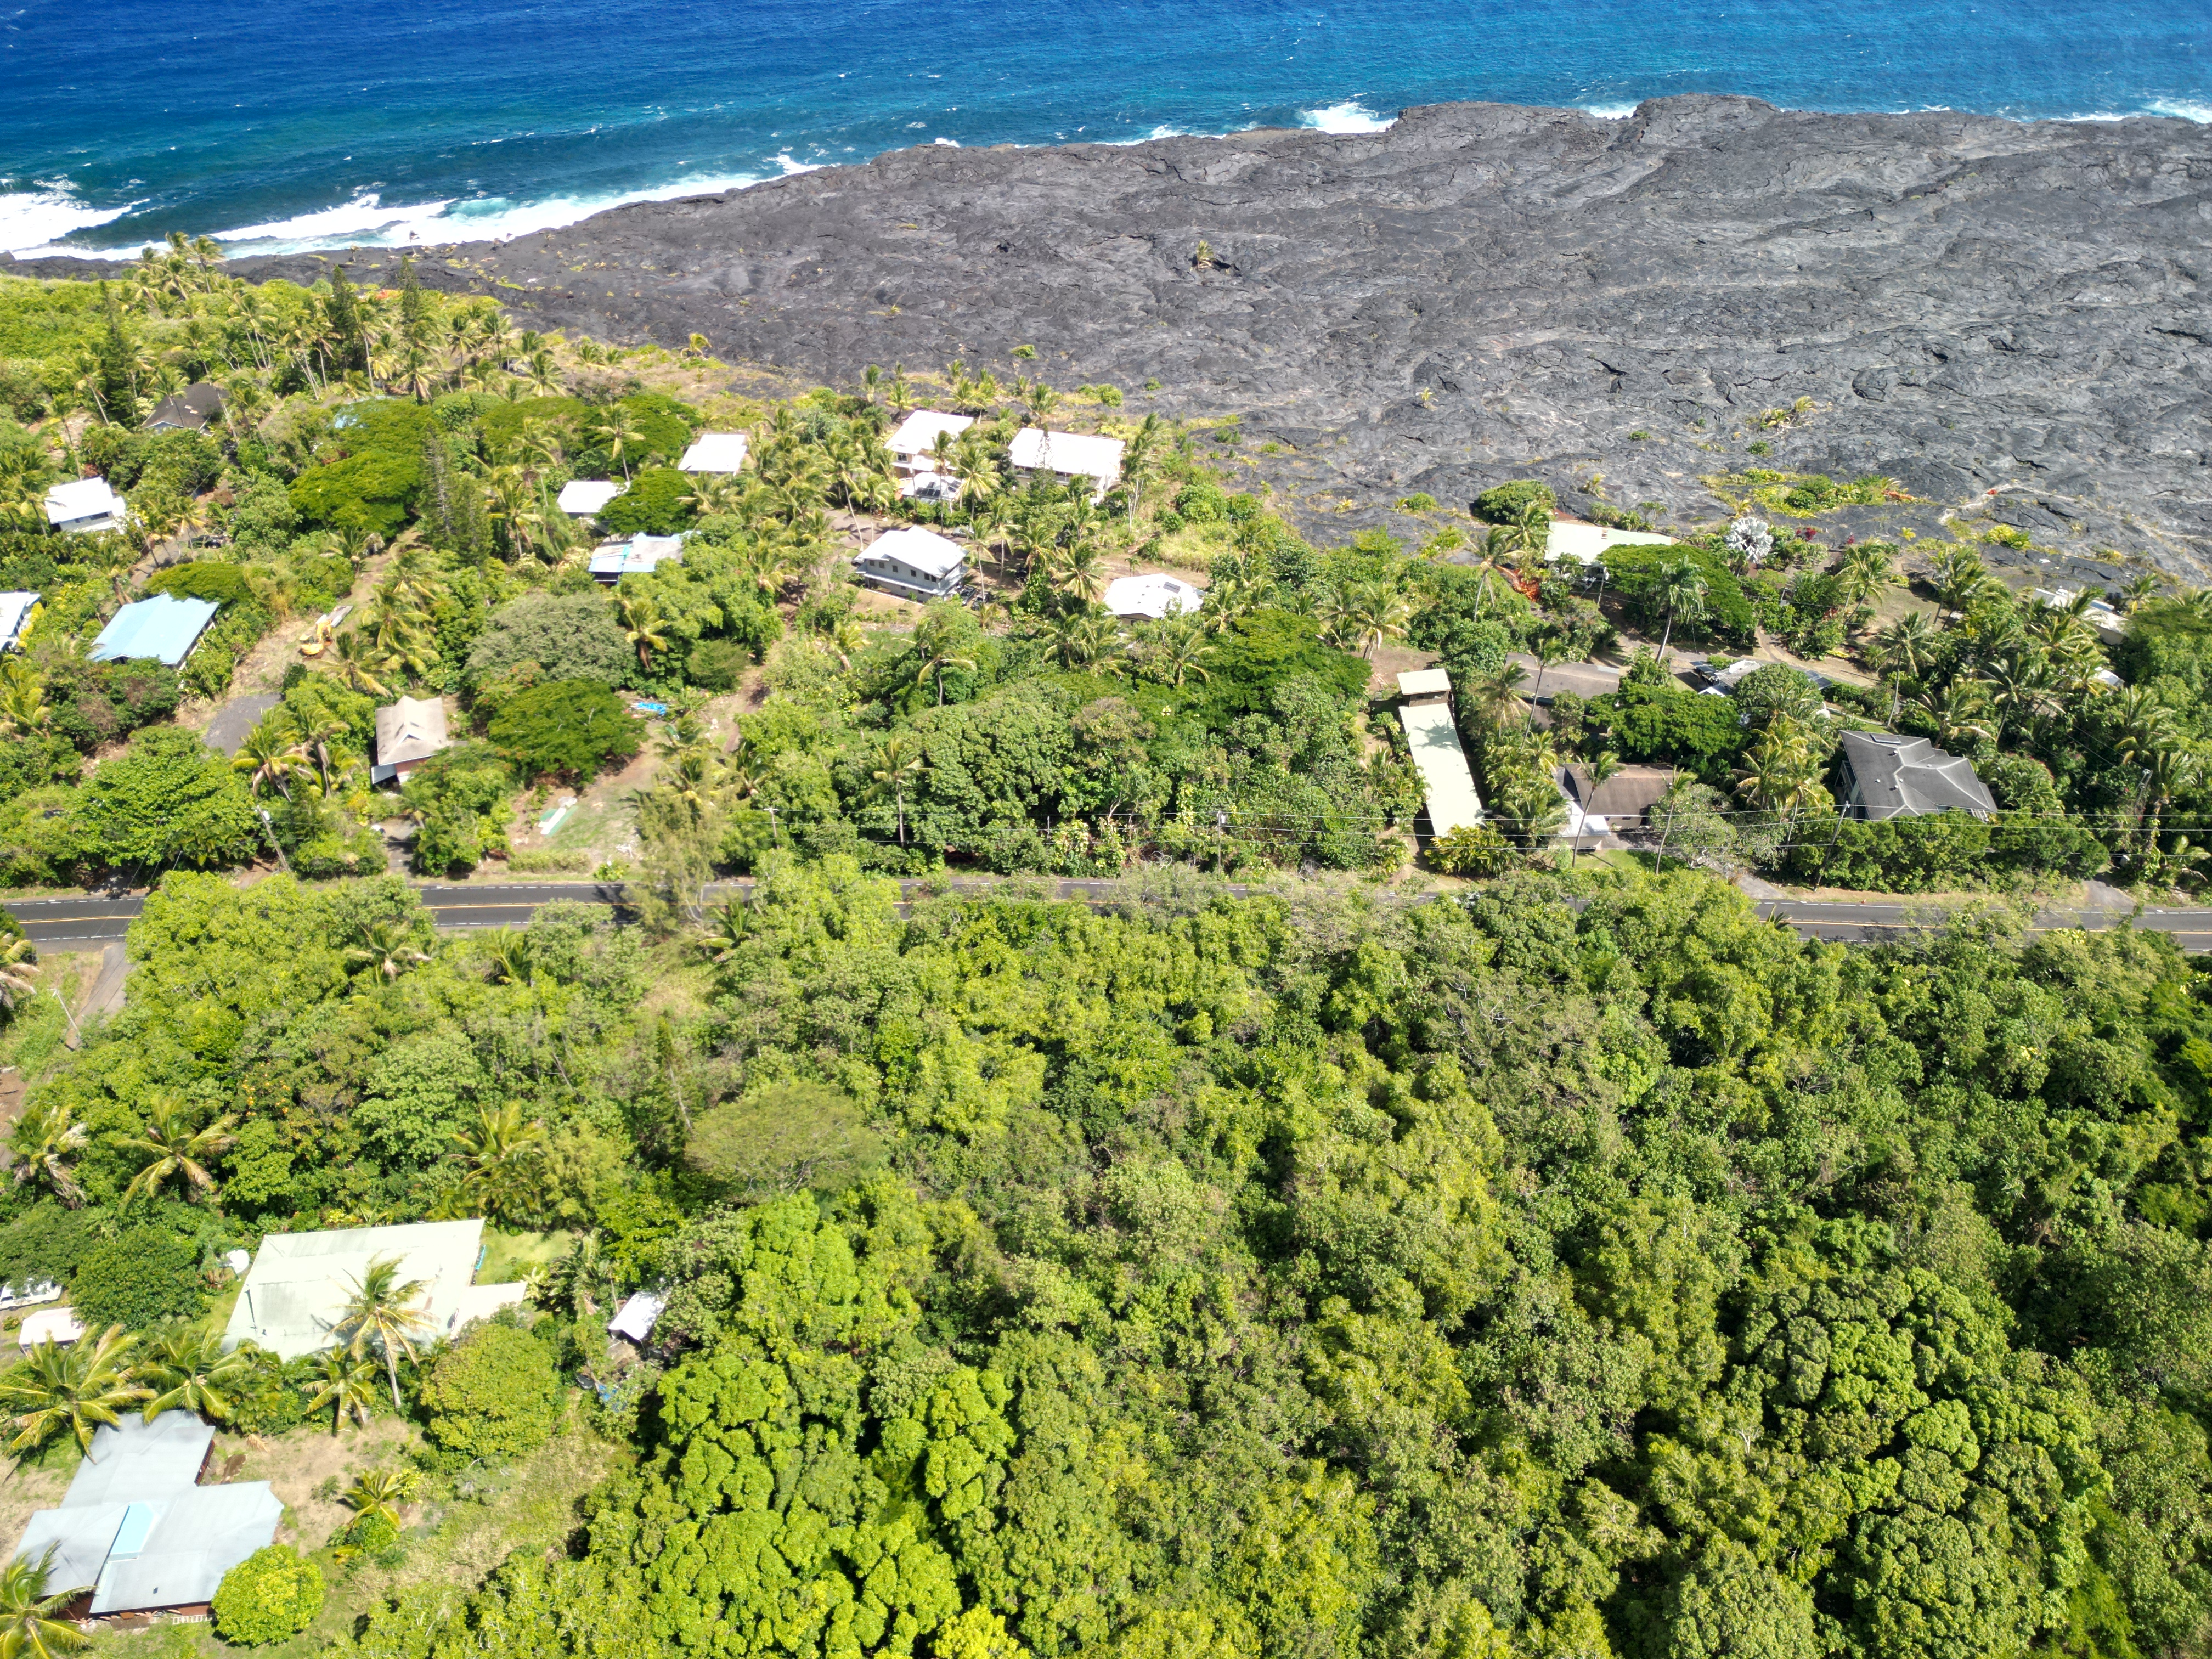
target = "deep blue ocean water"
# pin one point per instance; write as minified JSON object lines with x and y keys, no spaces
{"x":319,"y":123}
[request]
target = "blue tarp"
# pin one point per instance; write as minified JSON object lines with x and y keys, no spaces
{"x":162,"y":628}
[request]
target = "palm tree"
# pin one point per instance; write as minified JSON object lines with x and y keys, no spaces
{"x":1904,"y":649}
{"x":344,"y":1381}
{"x":725,"y":930}
{"x":1682,"y":589}
{"x":1549,"y":650}
{"x":506,"y":954}
{"x":382,"y":1313}
{"x":31,"y":1621}
{"x":19,"y":958}
{"x":2146,"y":725}
{"x":173,"y":1148}
{"x":187,"y":1365}
{"x":1956,"y":712}
{"x":381,"y":1491}
{"x":1867,"y":572}
{"x":1495,"y":697}
{"x":2172,"y":769}
{"x":22,"y":699}
{"x":272,"y":754}
{"x":495,"y":1150}
{"x":619,"y":430}
{"x":898,"y":765}
{"x":642,"y":625}
{"x":939,"y":646}
{"x":1494,"y":560}
{"x":2139,"y":591}
{"x":1082,"y":638}
{"x":76,"y":1390}
{"x":1781,"y":771}
{"x":386,"y":946}
{"x":1077,"y":571}
{"x":358,"y":666}
{"x":2020,"y":681}
{"x":1366,"y":614}
{"x":1179,"y":650}
{"x":46,"y":1138}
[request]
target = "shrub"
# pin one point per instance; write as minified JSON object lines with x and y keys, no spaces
{"x":270,"y":1596}
{"x":657,"y":503}
{"x":139,"y":1280}
{"x":1419,"y":501}
{"x":170,"y":800}
{"x":267,"y":1399}
{"x":1942,"y":850}
{"x":203,"y":579}
{"x":1668,"y":722}
{"x":1505,"y":504}
{"x":377,"y":475}
{"x":571,"y":638}
{"x":1201,"y":502}
{"x":491,"y":1395}
{"x":549,"y":864}
{"x":462,"y":797}
{"x":1267,"y":649}
{"x":1728,"y":616}
{"x":716,"y":665}
{"x":571,"y":727}
{"x":372,"y":1533}
{"x":1473,"y":849}
{"x":92,"y":703}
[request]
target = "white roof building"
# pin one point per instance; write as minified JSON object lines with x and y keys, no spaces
{"x":643,"y":554}
{"x":408,"y":732}
{"x":59,"y":1326}
{"x":84,"y":505}
{"x":580,"y":498}
{"x":297,"y":1289}
{"x":715,"y":451}
{"x":911,"y":444}
{"x":1585,"y":543}
{"x":914,"y":564}
{"x":1069,"y":455}
{"x":1425,"y":713}
{"x":14,"y":610}
{"x":638,"y":1315}
{"x":1156,"y":596}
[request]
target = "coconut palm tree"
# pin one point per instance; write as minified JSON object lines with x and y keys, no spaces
{"x":1904,"y":649}
{"x":506,"y":955}
{"x":47,"y":1137}
{"x":189,"y":1370}
{"x":1077,"y":571}
{"x":1495,"y":697}
{"x":938,"y":644}
{"x":344,"y":1381}
{"x":495,"y":1150}
{"x":1365,"y":615}
{"x":74,"y":1390}
{"x":1082,"y":638}
{"x":31,"y":1621}
{"x":642,"y":625}
{"x":897,"y":765}
{"x":382,"y":1313}
{"x":726,"y":927}
{"x":1867,"y":572}
{"x":1781,"y":771}
{"x":2020,"y":681}
{"x":1179,"y":650}
{"x":22,"y":699}
{"x":174,"y":1149}
{"x":381,"y":1491}
{"x":1957,"y":712}
{"x":272,"y":754}
{"x":386,"y":946}
{"x":1682,"y":590}
{"x":19,"y":959}
{"x":618,"y":430}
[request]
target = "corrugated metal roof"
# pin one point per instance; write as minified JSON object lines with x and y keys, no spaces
{"x":164,"y":628}
{"x":189,"y":1543}
{"x":714,"y":452}
{"x":133,"y":1459}
{"x":1076,"y":453}
{"x":582,"y":497}
{"x":411,"y":729}
{"x":1442,"y":763}
{"x":80,"y":499}
{"x":917,"y":434}
{"x":917,"y":550}
{"x":298,"y":1287}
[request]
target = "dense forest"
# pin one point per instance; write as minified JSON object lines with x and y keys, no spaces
{"x":1314,"y":1273}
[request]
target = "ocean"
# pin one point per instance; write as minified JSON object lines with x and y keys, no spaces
{"x":325,"y":123}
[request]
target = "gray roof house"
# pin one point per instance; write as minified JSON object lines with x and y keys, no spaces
{"x":1886,"y":776}
{"x":189,"y":410}
{"x":137,"y":1528}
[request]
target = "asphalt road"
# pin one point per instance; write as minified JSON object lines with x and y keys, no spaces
{"x":460,"y":909}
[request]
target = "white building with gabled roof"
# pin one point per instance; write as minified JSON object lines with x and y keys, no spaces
{"x":914,"y":564}
{"x":912,"y":444}
{"x":714,"y":452}
{"x":1068,"y":456}
{"x":1157,"y":597}
{"x":1447,"y":782}
{"x":580,"y":498}
{"x":83,"y":506}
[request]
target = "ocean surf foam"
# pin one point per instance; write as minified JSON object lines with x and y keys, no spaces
{"x":32,"y":221}
{"x":1349,"y":117}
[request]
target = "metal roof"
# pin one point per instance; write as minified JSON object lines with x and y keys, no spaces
{"x":917,"y":550}
{"x":1445,"y":779}
{"x":1586,"y":543}
{"x":81,"y":499}
{"x":1076,"y":453}
{"x":917,"y":434}
{"x":164,"y":628}
{"x":1151,"y":596}
{"x":132,"y":1459}
{"x":714,"y":452}
{"x":15,"y":609}
{"x":1899,"y":777}
{"x":641,"y":555}
{"x":581,"y":497}
{"x":300,"y":1283}
{"x":638,"y":1315}
{"x":411,"y":729}
{"x":1422,"y":682}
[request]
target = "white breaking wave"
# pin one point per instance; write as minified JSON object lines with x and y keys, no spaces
{"x":2189,"y":109}
{"x":32,"y":221}
{"x":1609,"y":112}
{"x":1350,"y":117}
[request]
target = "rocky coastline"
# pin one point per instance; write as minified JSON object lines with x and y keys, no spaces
{"x":2007,"y":317}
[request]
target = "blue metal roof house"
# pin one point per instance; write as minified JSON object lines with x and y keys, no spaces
{"x":164,"y":628}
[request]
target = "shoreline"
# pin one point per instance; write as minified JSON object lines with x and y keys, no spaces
{"x":1347,"y":118}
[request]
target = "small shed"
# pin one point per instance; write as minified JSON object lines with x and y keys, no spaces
{"x":638,"y":1315}
{"x":408,"y":732}
{"x":189,"y":410}
{"x":580,"y":498}
{"x":14,"y":615}
{"x":1156,"y":597}
{"x":85,"y":505}
{"x":714,"y":452}
{"x":164,"y":628}
{"x":1069,"y":455}
{"x":917,"y":437}
{"x":640,"y":553}
{"x":913,"y":564}
{"x":59,"y":1326}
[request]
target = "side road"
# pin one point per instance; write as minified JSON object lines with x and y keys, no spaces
{"x":460,"y":907}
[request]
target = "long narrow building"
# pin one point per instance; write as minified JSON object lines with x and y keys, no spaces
{"x":1425,"y":711}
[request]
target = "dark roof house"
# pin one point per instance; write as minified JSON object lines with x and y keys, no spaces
{"x":188,"y":410}
{"x":1886,"y":776}
{"x":1630,"y":793}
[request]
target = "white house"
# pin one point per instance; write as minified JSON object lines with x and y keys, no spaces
{"x":1425,"y":713}
{"x":1068,"y":455}
{"x":913,"y":564}
{"x":84,"y":505}
{"x":408,"y":732}
{"x":917,"y":437}
{"x":581,"y":497}
{"x":295,"y":1293}
{"x":1156,"y":597}
{"x":715,"y":451}
{"x":613,"y":560}
{"x":1585,"y":543}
